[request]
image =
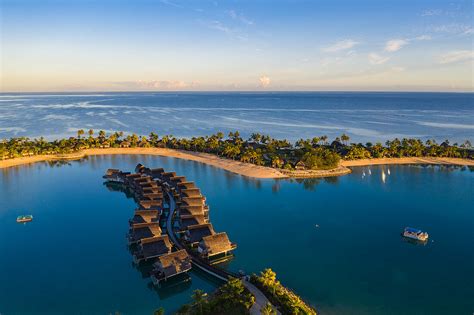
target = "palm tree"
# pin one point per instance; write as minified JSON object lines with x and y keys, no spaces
{"x":345,"y":138}
{"x":80,"y":132}
{"x":160,"y":311}
{"x":268,"y":309}
{"x":199,"y":298}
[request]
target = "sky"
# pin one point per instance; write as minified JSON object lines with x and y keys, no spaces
{"x":253,"y":45}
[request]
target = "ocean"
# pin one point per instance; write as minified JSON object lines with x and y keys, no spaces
{"x":335,"y":241}
{"x":363,"y":116}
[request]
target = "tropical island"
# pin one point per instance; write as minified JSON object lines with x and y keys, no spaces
{"x":259,"y":156}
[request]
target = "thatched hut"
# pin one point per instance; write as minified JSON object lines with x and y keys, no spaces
{"x":300,"y":166}
{"x":170,"y":265}
{"x":195,"y":233}
{"x":152,"y":247}
{"x":215,"y":244}
{"x":141,"y":231}
{"x":145,"y":216}
{"x":188,"y":220}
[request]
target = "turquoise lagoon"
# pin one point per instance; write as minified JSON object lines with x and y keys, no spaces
{"x":336,"y":241}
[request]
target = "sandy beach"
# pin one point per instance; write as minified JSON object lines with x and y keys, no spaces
{"x":237,"y":167}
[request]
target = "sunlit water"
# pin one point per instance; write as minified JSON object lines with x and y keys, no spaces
{"x":336,"y":242}
{"x":363,"y":116}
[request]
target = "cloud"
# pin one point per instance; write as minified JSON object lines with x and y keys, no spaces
{"x":341,"y":45}
{"x":456,"y":56}
{"x":453,"y":28}
{"x":158,"y":85}
{"x":423,"y":37}
{"x":431,"y":12}
{"x":240,"y":17}
{"x":376,"y":59}
{"x":264,"y":81}
{"x":217,"y":25}
{"x":395,"y":44}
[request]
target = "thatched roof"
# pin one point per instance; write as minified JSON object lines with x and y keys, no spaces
{"x":191,"y":192}
{"x":180,"y":179}
{"x":111,"y":171}
{"x":155,"y":246}
{"x":195,"y":233}
{"x":144,"y":230}
{"x":139,"y":168}
{"x":184,"y":185}
{"x":187,"y":220}
{"x":145,"y":216}
{"x":191,"y":210}
{"x":152,"y":196}
{"x":216,"y":244}
{"x":193,"y":201}
{"x":174,"y":263}
{"x":150,"y":204}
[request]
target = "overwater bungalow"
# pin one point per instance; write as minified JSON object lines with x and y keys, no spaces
{"x":156,"y":172}
{"x":145,"y":216}
{"x":188,"y":220}
{"x":193,"y":201}
{"x":185,"y":185}
{"x":139,"y":168}
{"x":150,"y":204}
{"x":115,"y":175}
{"x":151,"y":248}
{"x":166,"y":176}
{"x":215,"y":244}
{"x":195,"y":233}
{"x":174,"y":181}
{"x":141,"y":231}
{"x":190,"y":192}
{"x":194,"y":210}
{"x":152,"y":196}
{"x":170,"y":265}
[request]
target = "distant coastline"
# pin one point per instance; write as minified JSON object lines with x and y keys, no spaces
{"x":237,"y":167}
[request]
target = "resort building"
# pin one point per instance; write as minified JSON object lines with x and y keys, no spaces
{"x":141,"y":231}
{"x":215,"y":244}
{"x":193,"y":201}
{"x":151,"y":248}
{"x":188,"y":220}
{"x":190,"y":192}
{"x":195,"y":233}
{"x":145,"y":216}
{"x":170,"y":265}
{"x":194,"y":210}
{"x":186,"y":185}
{"x":150,"y":204}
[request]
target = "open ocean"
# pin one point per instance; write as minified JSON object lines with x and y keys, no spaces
{"x":363,"y":116}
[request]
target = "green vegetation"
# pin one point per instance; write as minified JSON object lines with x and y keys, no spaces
{"x":231,"y":298}
{"x":286,"y":301}
{"x":313,"y":154}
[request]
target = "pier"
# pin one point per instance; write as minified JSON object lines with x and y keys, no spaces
{"x":150,"y":187}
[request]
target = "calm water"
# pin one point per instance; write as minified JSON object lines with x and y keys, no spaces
{"x":73,"y":256}
{"x":363,"y":116}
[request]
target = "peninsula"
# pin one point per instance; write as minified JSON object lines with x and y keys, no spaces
{"x":258,"y":157}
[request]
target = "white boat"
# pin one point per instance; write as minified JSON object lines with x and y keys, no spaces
{"x":415,"y":234}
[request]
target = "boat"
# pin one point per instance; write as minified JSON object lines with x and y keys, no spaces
{"x":415,"y":234}
{"x":24,"y":218}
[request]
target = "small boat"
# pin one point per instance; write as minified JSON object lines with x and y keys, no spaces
{"x":383,"y":176}
{"x":24,"y":218}
{"x":415,"y":234}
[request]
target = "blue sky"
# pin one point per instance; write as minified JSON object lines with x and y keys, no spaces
{"x":237,"y":45}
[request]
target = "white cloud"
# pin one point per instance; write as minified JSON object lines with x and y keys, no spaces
{"x":341,"y":45}
{"x":264,"y":81}
{"x":376,"y":59}
{"x":216,"y":25}
{"x":423,"y":37}
{"x":158,"y":85}
{"x":239,"y":17}
{"x":453,"y":28}
{"x":431,"y":12}
{"x":395,"y":44}
{"x":456,"y":56}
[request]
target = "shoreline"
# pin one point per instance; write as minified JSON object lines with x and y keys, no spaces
{"x":237,"y":167}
